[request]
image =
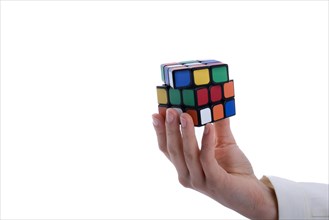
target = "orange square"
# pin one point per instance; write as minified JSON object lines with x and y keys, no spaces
{"x":162,"y":110}
{"x":229,"y":89}
{"x":194,"y":115}
{"x":218,"y":112}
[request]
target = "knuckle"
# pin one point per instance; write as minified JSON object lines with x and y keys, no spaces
{"x":161,"y":132}
{"x":172,"y":133}
{"x":203,"y":160}
{"x":189,"y":155}
{"x":197,"y":184}
{"x":173,"y":151}
{"x":163,"y":148}
{"x":184,"y":181}
{"x":211,"y":183}
{"x":172,"y":129}
{"x":202,"y":155}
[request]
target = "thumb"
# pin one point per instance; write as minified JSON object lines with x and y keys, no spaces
{"x":223,"y":132}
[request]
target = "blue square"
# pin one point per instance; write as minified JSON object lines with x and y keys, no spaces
{"x":229,"y":108}
{"x":167,"y":68}
{"x":182,"y":78}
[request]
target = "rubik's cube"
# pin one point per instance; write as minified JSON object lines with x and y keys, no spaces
{"x":201,"y":88}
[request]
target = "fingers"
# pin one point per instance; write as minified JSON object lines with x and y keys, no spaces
{"x":195,"y":168}
{"x":160,"y":130}
{"x":213,"y":172}
{"x":191,"y":152}
{"x":174,"y":146}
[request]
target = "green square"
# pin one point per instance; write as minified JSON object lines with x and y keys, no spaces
{"x":188,"y":97}
{"x":219,"y":74}
{"x":175,"y":96}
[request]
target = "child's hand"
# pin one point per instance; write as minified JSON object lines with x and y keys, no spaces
{"x":219,"y":170}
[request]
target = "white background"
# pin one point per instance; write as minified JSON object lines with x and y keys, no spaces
{"x":78,"y":90}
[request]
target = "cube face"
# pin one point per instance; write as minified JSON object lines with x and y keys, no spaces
{"x":163,"y":69}
{"x":216,"y":93}
{"x":162,"y":95}
{"x":188,"y":97}
{"x":188,"y":62}
{"x":166,"y":69}
{"x":162,"y":109}
{"x":229,"y":89}
{"x":193,"y":73}
{"x":230,"y":108}
{"x":205,"y":116}
{"x":219,"y":74}
{"x":202,"y":96}
{"x":209,"y":61}
{"x":195,"y":97}
{"x":195,"y":64}
{"x":180,"y":78}
{"x":201,"y":77}
{"x":218,"y":112}
{"x":200,"y":88}
{"x":200,"y":116}
{"x":194,"y":115}
{"x":175,"y":96}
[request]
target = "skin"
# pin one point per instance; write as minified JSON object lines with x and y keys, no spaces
{"x":219,"y":169}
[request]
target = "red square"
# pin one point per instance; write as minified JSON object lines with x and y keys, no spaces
{"x":215,"y":93}
{"x":202,"y":96}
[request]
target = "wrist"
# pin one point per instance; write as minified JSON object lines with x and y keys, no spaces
{"x":270,"y":209}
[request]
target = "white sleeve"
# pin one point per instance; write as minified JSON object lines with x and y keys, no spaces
{"x":301,"y":200}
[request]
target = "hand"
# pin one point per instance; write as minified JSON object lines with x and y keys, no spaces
{"x":219,"y":169}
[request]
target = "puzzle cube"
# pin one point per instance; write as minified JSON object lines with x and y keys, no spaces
{"x":201,"y":88}
{"x":219,"y":73}
{"x":200,"y":116}
{"x":162,"y":95}
{"x":216,"y":93}
{"x":194,"y":73}
{"x":175,"y":97}
{"x":195,"y":97}
{"x":228,"y":88}
{"x":163,"y":108}
{"x":229,"y":108}
{"x":215,"y":112}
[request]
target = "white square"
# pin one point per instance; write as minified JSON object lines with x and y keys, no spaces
{"x":205,"y":115}
{"x":174,"y":65}
{"x":193,"y":64}
{"x":171,"y":79}
{"x":179,"y":111}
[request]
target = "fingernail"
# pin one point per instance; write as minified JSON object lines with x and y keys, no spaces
{"x":183,"y":122}
{"x":155,"y":121}
{"x":169,"y":116}
{"x":206,"y":130}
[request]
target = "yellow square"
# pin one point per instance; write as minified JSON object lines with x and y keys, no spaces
{"x":162,"y":96}
{"x":201,"y":77}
